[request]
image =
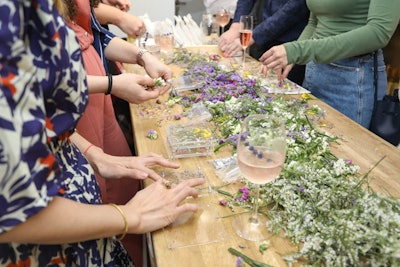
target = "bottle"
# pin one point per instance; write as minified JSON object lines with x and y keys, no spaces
{"x":209,"y":27}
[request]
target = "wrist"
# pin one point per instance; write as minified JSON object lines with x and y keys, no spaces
{"x":93,"y":155}
{"x":124,"y":219}
{"x":134,"y":221}
{"x":110,"y":84}
{"x":140,"y":56}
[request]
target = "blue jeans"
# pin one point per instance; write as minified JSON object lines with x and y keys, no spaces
{"x":348,"y":85}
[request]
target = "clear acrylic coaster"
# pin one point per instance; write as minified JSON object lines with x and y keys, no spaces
{"x":193,"y":229}
{"x":175,"y":177}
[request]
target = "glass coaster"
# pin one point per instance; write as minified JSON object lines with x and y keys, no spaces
{"x":176,"y":177}
{"x":200,"y":228}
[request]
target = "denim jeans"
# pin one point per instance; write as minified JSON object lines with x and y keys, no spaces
{"x":348,"y":85}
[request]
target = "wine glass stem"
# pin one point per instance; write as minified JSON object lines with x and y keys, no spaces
{"x":244,"y":56}
{"x":254,"y":215}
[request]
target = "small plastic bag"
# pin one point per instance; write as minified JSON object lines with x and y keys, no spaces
{"x":227,"y":169}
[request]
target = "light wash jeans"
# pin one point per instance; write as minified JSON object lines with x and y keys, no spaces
{"x":348,"y":85}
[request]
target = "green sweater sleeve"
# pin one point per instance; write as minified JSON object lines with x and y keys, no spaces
{"x":309,"y":29}
{"x":318,"y":44}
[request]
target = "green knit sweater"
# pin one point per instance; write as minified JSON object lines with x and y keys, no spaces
{"x":339,"y":29}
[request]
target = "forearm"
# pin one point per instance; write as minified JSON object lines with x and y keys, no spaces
{"x":121,"y":51}
{"x":97,"y":84}
{"x":107,"y":14}
{"x":67,"y":221}
{"x":90,"y":151}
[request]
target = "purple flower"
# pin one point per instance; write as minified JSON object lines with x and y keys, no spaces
{"x":152,"y":134}
{"x":177,"y":117}
{"x":223,"y":203}
{"x":239,"y":262}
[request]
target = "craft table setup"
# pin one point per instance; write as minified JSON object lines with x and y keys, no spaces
{"x":203,"y":238}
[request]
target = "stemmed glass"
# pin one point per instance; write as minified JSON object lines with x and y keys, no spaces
{"x":261,"y":154}
{"x":222,"y":17}
{"x":245,"y":31}
{"x":164,"y":37}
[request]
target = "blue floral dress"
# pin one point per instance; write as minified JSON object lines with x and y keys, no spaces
{"x":43,"y":92}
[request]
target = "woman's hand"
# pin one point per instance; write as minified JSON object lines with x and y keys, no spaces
{"x":228,"y":36}
{"x":229,"y":41}
{"x":155,"y":68}
{"x":156,"y":206}
{"x":275,"y":58}
{"x":282,"y":74}
{"x":136,"y":88}
{"x":132,"y":25}
{"x":115,"y":167}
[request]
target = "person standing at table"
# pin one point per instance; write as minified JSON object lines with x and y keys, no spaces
{"x":50,"y":212}
{"x":282,"y":21}
{"x":99,"y":124}
{"x":338,"y":46}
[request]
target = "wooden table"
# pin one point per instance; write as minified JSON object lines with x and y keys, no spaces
{"x":203,"y":240}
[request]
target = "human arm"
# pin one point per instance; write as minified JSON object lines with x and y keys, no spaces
{"x":152,"y":208}
{"x":122,"y":51}
{"x":115,"y":167}
{"x":128,"y":23}
{"x":117,"y":49}
{"x":380,"y":23}
{"x":131,"y":87}
{"x":123,"y":5}
{"x":229,"y":41}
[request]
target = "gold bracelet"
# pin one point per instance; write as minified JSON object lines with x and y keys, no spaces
{"x":123,"y":217}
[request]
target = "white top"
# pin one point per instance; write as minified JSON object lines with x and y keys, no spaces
{"x":212,"y":6}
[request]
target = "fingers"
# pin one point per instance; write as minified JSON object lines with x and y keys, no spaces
{"x":155,"y":159}
{"x":187,"y":188}
{"x":187,"y":207}
{"x":275,"y":58}
{"x":285,"y":72}
{"x":232,"y":48}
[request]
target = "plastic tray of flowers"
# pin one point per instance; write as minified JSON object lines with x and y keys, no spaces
{"x":191,"y":140}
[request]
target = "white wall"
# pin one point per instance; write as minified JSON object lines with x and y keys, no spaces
{"x":194,"y":7}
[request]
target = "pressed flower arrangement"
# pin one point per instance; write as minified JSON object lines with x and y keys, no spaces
{"x":321,"y":202}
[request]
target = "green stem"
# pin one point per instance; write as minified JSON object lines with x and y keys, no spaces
{"x":248,"y":260}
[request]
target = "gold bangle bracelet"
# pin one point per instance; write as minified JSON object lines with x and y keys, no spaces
{"x":123,"y":217}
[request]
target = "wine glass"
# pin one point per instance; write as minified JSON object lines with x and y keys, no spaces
{"x":222,"y":17}
{"x":261,"y":154}
{"x":164,"y":38}
{"x":245,"y":31}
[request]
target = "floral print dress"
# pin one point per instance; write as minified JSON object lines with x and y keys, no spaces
{"x":43,"y":93}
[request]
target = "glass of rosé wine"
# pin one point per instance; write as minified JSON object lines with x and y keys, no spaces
{"x":222,"y":17}
{"x":245,"y":33}
{"x":261,"y":153}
